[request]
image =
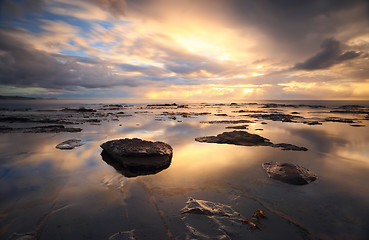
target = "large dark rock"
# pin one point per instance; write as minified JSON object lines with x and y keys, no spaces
{"x":289,"y":173}
{"x":137,"y":157}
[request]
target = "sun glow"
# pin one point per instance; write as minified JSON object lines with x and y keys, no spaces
{"x":204,"y":47}
{"x":248,"y":90}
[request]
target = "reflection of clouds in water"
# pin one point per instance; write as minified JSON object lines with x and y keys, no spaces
{"x":321,"y":140}
{"x":340,"y":140}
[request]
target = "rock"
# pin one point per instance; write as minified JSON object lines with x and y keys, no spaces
{"x":213,"y":220}
{"x":221,"y":114}
{"x":50,"y":129}
{"x":15,"y":119}
{"x":312,"y":123}
{"x":185,"y":114}
{"x":289,"y":173}
{"x":228,"y":122}
{"x":350,"y":111}
{"x":253,"y":111}
{"x":207,"y":208}
{"x":236,"y":137}
{"x":29,"y":120}
{"x":287,"y":146}
{"x":237,"y":127}
{"x":357,"y":125}
{"x":80,"y":110}
{"x":244,"y":138}
{"x":69,"y":144}
{"x":138,"y":156}
{"x":341,"y":120}
{"x":276,"y":117}
{"x":240,"y":111}
{"x":5,"y":129}
{"x":128,"y":171}
{"x":162,"y":105}
{"x":40,"y":129}
{"x":351,"y":106}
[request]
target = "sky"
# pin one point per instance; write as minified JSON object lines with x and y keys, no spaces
{"x":185,"y":50}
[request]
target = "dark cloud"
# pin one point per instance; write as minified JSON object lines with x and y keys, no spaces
{"x":10,"y":9}
{"x":23,"y":66}
{"x":299,"y":26}
{"x":330,"y":55}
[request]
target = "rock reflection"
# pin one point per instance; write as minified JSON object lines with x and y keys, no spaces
{"x":136,"y":171}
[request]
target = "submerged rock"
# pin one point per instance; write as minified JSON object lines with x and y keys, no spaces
{"x":208,"y":208}
{"x":213,"y":220}
{"x":133,"y":157}
{"x":289,"y":173}
{"x":69,"y":144}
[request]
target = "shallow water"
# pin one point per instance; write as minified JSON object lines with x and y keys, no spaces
{"x":48,"y":193}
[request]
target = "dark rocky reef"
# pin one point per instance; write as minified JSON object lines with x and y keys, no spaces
{"x":244,"y":138}
{"x":39,"y":129}
{"x":134,"y":157}
{"x":80,"y":110}
{"x":289,"y":173}
{"x":228,"y":121}
{"x":51,"y":129}
{"x":30,"y":120}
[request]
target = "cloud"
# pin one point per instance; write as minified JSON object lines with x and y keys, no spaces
{"x":277,"y":26}
{"x":115,"y":7}
{"x":23,"y":66}
{"x":191,"y":45}
{"x":12,"y":9}
{"x":330,"y":55}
